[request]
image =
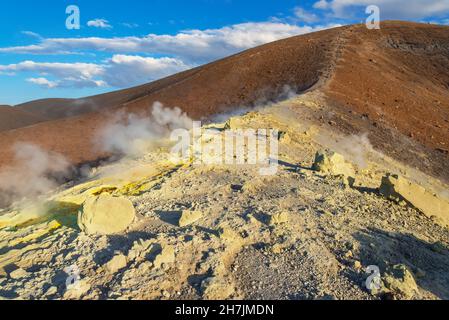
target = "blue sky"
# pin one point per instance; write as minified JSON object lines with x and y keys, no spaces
{"x":125,"y":43}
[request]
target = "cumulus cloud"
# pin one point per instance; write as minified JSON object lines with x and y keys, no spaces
{"x":130,"y":64}
{"x":99,"y":23}
{"x":87,"y":70}
{"x":305,"y":16}
{"x":70,"y":82}
{"x":192,"y":46}
{"x":322,"y":4}
{"x":118,"y":71}
{"x":75,"y":75}
{"x":44,"y":82}
{"x":125,"y":70}
{"x":390,"y":9}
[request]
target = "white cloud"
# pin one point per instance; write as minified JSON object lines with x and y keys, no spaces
{"x":76,"y":75}
{"x":99,"y":23}
{"x":130,"y":64}
{"x":124,"y":70}
{"x":390,"y":9}
{"x":32,"y":34}
{"x":119,"y":71}
{"x":130,"y":25}
{"x":86,"y":70}
{"x":305,"y":16}
{"x":44,"y":82}
{"x":322,"y":4}
{"x":194,"y":46}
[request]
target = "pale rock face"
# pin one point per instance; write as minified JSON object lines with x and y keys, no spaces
{"x":228,"y":234}
{"x":279,"y":218}
{"x":216,"y":288}
{"x":117,"y":263}
{"x":18,"y":274}
{"x":398,"y":189}
{"x":76,"y":290}
{"x":106,"y":215}
{"x":166,"y":256}
{"x":139,"y":250}
{"x":400,"y":283}
{"x":188,"y":217}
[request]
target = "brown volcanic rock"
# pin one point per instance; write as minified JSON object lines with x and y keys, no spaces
{"x":395,"y":84}
{"x":392,"y":83}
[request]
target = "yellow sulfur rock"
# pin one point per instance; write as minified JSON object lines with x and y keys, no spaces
{"x":400,"y":189}
{"x":279,"y":218}
{"x":333,"y":163}
{"x":188,"y":217}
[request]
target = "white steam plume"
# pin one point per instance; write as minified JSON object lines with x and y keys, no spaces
{"x":35,"y":171}
{"x":354,"y":147}
{"x":132,"y":135}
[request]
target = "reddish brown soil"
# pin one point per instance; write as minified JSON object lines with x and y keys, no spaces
{"x":11,"y":118}
{"x":223,"y":85}
{"x":392,"y":83}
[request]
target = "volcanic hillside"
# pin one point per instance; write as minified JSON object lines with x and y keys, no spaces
{"x":391,"y":83}
{"x":11,"y":118}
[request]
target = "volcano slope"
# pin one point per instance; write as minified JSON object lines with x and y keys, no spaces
{"x":216,"y":231}
{"x":391,"y":83}
{"x":298,"y":234}
{"x":12,"y":118}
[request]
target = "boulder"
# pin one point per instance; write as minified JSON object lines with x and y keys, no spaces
{"x":399,"y":283}
{"x":333,"y":163}
{"x":165,"y":256}
{"x":117,"y":263}
{"x":278,"y":218}
{"x":105,"y":214}
{"x":188,"y":217}
{"x":140,"y":249}
{"x":18,"y":274}
{"x":399,"y":189}
{"x":228,"y":234}
{"x":216,"y":288}
{"x":77,"y":290}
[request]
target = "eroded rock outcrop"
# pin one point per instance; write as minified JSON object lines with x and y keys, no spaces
{"x":332,"y":163}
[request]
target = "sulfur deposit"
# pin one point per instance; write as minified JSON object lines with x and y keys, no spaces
{"x":152,"y":229}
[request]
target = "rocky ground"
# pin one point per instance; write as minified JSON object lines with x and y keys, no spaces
{"x":225,"y":231}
